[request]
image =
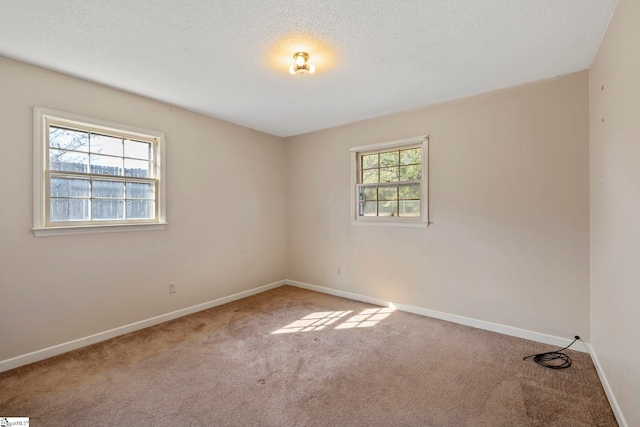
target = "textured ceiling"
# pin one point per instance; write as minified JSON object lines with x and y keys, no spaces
{"x":229,"y":59}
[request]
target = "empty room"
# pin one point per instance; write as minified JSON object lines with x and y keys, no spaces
{"x":328,"y":213}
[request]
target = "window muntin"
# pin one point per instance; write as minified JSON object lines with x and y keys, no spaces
{"x":98,"y":177}
{"x":390,"y":184}
{"x":90,"y":173}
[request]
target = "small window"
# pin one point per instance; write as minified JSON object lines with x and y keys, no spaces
{"x":94,"y":176}
{"x":390,"y":182}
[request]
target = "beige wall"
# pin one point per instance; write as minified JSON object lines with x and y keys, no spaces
{"x":615,"y":207}
{"x":509,"y":182}
{"x":225,"y":208}
{"x":509,"y":202}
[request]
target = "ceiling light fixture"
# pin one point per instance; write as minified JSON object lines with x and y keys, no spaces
{"x":301,"y":65}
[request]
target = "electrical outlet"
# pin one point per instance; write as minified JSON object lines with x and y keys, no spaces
{"x":172,"y":288}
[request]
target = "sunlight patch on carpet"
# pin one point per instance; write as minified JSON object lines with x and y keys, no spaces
{"x":367,"y":318}
{"x":314,"y":322}
{"x":320,"y":320}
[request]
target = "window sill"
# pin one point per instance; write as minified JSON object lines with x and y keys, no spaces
{"x":392,"y":223}
{"x":92,"y":229}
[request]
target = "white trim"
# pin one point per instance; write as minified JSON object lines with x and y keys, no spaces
{"x":39,"y":166}
{"x":353,"y":158}
{"x":475,"y":323}
{"x":55,"y":350}
{"x":97,"y":123}
{"x":41,"y":119}
{"x":391,"y":224}
{"x":422,"y":142}
{"x":607,"y":389}
{"x":390,"y":144}
{"x":337,"y":293}
{"x":103,"y":228}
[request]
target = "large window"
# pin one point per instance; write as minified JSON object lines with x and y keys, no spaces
{"x":91,"y":175}
{"x":390,"y":182}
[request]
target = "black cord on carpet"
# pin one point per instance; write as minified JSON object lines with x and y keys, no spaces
{"x":553,"y":359}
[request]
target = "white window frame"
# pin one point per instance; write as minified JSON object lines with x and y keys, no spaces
{"x":419,"y":221}
{"x":44,"y":117}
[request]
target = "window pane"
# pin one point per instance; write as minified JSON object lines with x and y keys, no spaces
{"x":389,"y":174}
{"x":140,"y":190}
{"x":137,"y":168}
{"x":69,"y":161}
{"x":410,"y":208}
{"x":409,"y":173}
{"x":107,"y":209}
{"x":411,"y":156}
{"x":388,"y":193}
{"x":387,"y":208}
{"x":105,"y":165}
{"x":69,"y":210}
{"x":140,"y":209}
{"x":137,"y":149}
{"x":108,"y":189}
{"x":389,"y":159}
{"x":69,"y":187}
{"x":370,"y":208}
{"x":370,"y":193}
{"x":411,"y":191}
{"x":68,"y":139}
{"x":369,"y":176}
{"x":370,"y":161}
{"x":102,"y":144}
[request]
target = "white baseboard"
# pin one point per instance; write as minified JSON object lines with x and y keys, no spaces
{"x":607,"y":389}
{"x":489,"y":326}
{"x":37,"y":355}
{"x":335,"y":292}
{"x":480,"y":324}
{"x":55,"y":350}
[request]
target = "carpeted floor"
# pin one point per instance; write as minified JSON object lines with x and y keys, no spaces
{"x":291,"y":357}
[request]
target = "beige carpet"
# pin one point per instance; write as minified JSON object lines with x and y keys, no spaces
{"x":291,"y":357}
